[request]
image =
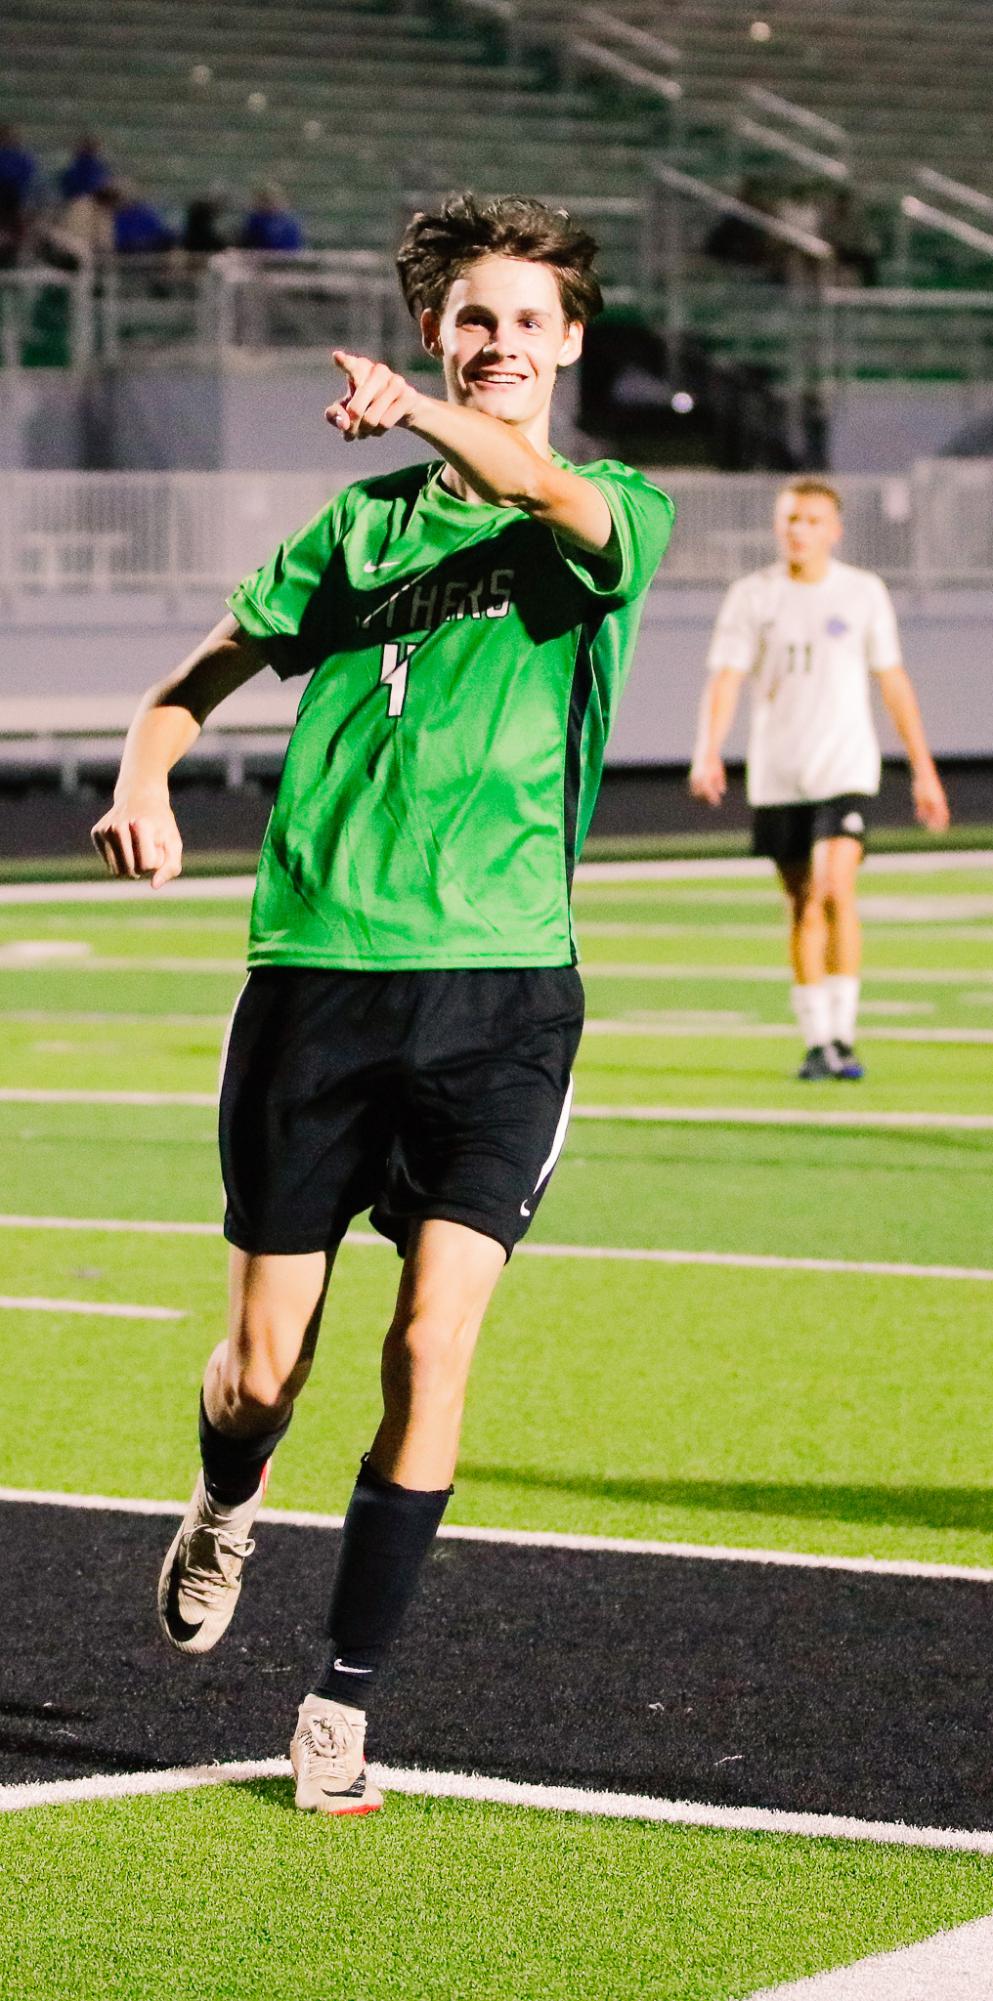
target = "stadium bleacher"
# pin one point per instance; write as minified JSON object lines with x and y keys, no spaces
{"x":348,"y":116}
{"x":648,"y":122}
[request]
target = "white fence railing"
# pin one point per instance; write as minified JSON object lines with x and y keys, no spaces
{"x":68,"y":533}
{"x":785,"y":311}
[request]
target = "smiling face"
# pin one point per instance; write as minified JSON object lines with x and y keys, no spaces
{"x":501,"y":337}
{"x":808,"y":530}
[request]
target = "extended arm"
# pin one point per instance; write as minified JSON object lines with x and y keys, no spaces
{"x":494,"y":459}
{"x":930,"y":803}
{"x":708,"y":779}
{"x":139,"y":835}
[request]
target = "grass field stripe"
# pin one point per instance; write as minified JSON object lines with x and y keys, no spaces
{"x":100,"y":1309}
{"x":304,"y":1518}
{"x":950,"y":1966}
{"x":618,"y":1253}
{"x":680,"y":1115}
{"x":419,"y":1784}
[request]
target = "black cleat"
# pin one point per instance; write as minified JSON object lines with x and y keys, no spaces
{"x":846,"y":1062}
{"x":818,"y":1063}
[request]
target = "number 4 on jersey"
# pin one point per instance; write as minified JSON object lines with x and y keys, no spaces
{"x":396,"y":659}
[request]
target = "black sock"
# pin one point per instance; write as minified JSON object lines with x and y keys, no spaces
{"x":232,"y":1467}
{"x":388,"y":1532}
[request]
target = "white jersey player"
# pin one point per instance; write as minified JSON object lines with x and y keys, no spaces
{"x":811,"y":633}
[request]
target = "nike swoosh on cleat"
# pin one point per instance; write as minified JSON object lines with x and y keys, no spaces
{"x":340,"y":1668}
{"x":179,"y":1627}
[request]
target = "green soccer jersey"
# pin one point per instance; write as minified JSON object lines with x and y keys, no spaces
{"x":464,"y":671}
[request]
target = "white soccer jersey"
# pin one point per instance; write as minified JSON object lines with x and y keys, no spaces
{"x":809,"y":649}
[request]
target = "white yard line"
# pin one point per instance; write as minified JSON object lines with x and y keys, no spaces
{"x":941,"y":929}
{"x":930,"y":861}
{"x":952,"y":1966}
{"x":508,"y":1792}
{"x":868,"y":1566}
{"x":750,"y":1261}
{"x":23,"y":959}
{"x":205,"y":1099}
{"x":93,"y":1308}
{"x":736,"y":1115}
{"x":776,"y":1031}
{"x":704,"y":1024}
{"x":191,"y":889}
{"x":616,"y":1253}
{"x":31,"y":957}
{"x":623,"y":969}
{"x":129,"y":1226}
{"x":680,"y":1115}
{"x":40,"y":1017}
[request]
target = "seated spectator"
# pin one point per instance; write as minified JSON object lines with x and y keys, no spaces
{"x":201,"y":232}
{"x":271,"y":225}
{"x":852,"y":238}
{"x":87,"y":171}
{"x":139,"y":229}
{"x":13,"y":228}
{"x":737,"y":240}
{"x":18,"y":168}
{"x":83,"y":229}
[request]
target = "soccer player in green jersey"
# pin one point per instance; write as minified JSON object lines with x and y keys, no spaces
{"x":406,"y":1035}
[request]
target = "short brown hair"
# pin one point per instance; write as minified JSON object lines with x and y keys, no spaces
{"x":437,"y":248}
{"x":812,"y":483}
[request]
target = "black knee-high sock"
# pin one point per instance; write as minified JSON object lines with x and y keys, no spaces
{"x":388,"y":1532}
{"x":232,"y":1467}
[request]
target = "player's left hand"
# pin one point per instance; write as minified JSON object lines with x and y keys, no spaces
{"x":377,"y":399}
{"x":930,"y":803}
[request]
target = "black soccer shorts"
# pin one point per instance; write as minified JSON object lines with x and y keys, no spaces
{"x":787,"y":834}
{"x":414,"y":1094}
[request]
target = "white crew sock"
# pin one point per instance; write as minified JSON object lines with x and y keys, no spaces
{"x":843,"y":1005}
{"x":813,"y":1016}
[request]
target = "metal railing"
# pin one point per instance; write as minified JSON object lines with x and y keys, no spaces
{"x":794,"y":321}
{"x":168,"y":535}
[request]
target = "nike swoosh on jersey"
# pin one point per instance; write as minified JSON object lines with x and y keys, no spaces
{"x":371,"y":569}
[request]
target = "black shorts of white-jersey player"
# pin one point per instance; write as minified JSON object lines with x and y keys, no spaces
{"x":811,"y":633}
{"x":439,"y":1098}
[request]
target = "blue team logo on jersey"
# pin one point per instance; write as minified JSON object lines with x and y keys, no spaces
{"x":836,"y":628}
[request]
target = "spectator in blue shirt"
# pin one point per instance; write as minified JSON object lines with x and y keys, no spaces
{"x":271,"y":225}
{"x":139,"y":229}
{"x":17,"y":167}
{"x":87,"y":171}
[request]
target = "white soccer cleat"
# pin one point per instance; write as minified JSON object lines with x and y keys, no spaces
{"x":200,"y":1582}
{"x":328,"y":1759}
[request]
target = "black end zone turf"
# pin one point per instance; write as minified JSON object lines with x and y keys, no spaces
{"x":812,"y":1690}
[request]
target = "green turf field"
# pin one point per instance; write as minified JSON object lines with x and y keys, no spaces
{"x":839,"y":1412}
